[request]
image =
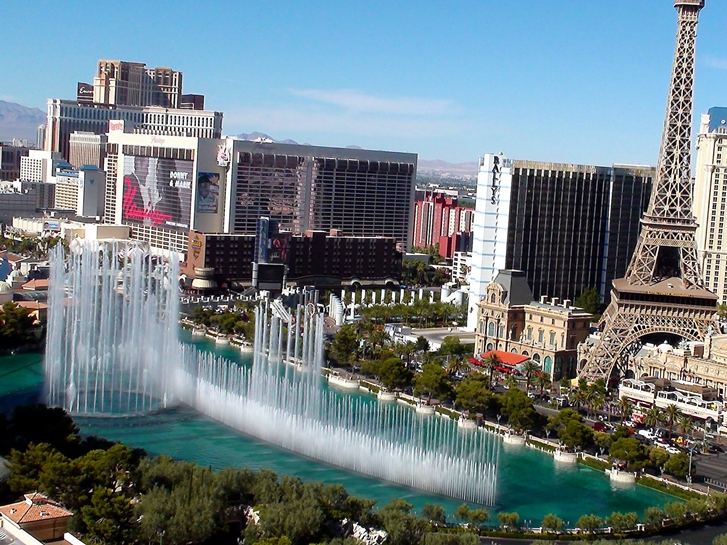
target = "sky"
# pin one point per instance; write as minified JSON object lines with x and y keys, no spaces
{"x":568,"y":81}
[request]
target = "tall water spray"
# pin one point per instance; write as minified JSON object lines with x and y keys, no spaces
{"x":112,"y":329}
{"x":112,"y":349}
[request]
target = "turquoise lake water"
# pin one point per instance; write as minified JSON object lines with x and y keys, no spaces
{"x":530,"y":482}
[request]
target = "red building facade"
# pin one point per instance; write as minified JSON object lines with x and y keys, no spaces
{"x":438,"y":218}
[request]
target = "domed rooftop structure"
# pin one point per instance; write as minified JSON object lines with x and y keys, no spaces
{"x":6,"y":293}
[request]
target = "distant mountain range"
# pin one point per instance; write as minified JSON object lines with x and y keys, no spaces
{"x":18,"y":121}
{"x":443,"y":168}
{"x":436,"y":167}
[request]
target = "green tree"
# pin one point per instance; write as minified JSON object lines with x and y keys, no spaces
{"x":672,"y":414}
{"x":108,"y":518}
{"x":631,"y":450}
{"x":552,"y":523}
{"x":529,"y":369}
{"x":509,"y":521}
{"x":570,"y":428}
{"x":402,"y":526}
{"x":721,"y":539}
{"x":15,"y":326}
{"x":658,"y":457}
{"x":654,"y":517}
{"x":576,"y":435}
{"x":686,"y":424}
{"x":517,"y":407}
{"x":677,"y":464}
{"x":41,"y":424}
{"x":432,"y":382}
{"x":345,"y":345}
{"x":479,"y":516}
{"x":464,"y":538}
{"x":472,"y":394}
{"x":27,"y":466}
{"x":457,"y":364}
{"x":653,"y":416}
{"x":622,"y":522}
{"x":676,"y":510}
{"x":595,"y":395}
{"x":489,"y":363}
{"x":590,"y":301}
{"x":602,"y":440}
{"x":589,"y":523}
{"x":452,"y":345}
{"x":434,"y":513}
{"x":394,"y":373}
{"x":542,"y":381}
{"x":462,"y":513}
{"x":421,"y":344}
{"x":625,"y":408}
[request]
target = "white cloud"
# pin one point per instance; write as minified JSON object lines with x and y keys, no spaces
{"x":356,"y":101}
{"x":285,"y":121}
{"x":716,"y":62}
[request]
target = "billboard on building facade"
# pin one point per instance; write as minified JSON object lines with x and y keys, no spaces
{"x":208,"y":192}
{"x":157,"y":192}
{"x":84,"y":93}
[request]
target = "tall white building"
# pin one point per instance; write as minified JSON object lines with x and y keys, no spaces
{"x":81,"y":191}
{"x":492,"y":214}
{"x":39,"y":166}
{"x":68,"y":116}
{"x":568,"y":227}
{"x":710,"y":199}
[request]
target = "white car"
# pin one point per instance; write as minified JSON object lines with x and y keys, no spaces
{"x":648,"y":434}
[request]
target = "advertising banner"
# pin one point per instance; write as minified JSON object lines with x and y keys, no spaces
{"x":208,"y":192}
{"x":157,"y":192}
{"x":84,"y":93}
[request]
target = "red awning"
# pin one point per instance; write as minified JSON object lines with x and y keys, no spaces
{"x":508,"y":358}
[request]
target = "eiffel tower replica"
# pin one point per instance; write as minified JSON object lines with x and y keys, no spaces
{"x":663,"y":291}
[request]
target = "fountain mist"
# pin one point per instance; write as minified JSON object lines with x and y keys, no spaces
{"x":112,"y":349}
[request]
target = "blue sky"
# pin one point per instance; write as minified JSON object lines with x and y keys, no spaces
{"x":580,"y":82}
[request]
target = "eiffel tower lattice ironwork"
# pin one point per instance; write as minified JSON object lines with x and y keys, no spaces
{"x":663,"y":291}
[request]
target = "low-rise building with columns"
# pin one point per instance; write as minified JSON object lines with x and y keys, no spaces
{"x":547,"y":331}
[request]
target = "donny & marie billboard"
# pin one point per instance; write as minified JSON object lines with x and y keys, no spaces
{"x":157,"y":192}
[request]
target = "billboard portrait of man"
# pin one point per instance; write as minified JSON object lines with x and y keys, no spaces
{"x":208,"y":192}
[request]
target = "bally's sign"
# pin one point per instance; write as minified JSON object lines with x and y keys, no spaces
{"x":495,"y":187}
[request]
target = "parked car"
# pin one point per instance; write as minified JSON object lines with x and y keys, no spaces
{"x":647,"y":434}
{"x":600,"y":426}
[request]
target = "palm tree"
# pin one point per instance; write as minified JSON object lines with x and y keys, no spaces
{"x":652,"y":416}
{"x":490,"y":362}
{"x":457,"y":364}
{"x":595,"y":396}
{"x":625,"y":407}
{"x":378,"y":337}
{"x":671,"y":415}
{"x":511,"y":381}
{"x":686,"y":424}
{"x":542,"y":380}
{"x":405,"y":350}
{"x":529,"y":370}
{"x":576,"y":398}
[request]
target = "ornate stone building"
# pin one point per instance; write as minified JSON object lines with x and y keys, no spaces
{"x":546,"y":331}
{"x":704,"y":364}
